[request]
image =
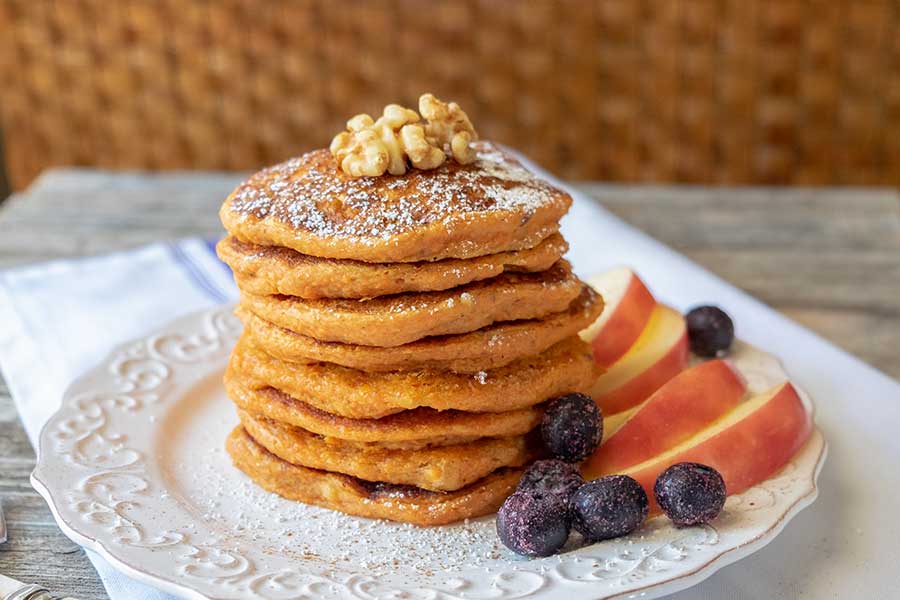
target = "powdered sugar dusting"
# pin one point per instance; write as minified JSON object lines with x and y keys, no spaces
{"x":304,"y":532}
{"x":311,"y":194}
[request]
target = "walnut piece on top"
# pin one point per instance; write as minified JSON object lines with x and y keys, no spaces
{"x":448,"y":125}
{"x":399,"y":138}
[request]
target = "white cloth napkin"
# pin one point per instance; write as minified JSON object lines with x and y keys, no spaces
{"x":60,"y":318}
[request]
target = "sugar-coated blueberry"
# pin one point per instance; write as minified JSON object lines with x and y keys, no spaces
{"x":608,"y":507}
{"x":710,"y":331}
{"x":572,"y":427}
{"x":533,"y":524}
{"x":551,"y":476}
{"x":690,"y":493}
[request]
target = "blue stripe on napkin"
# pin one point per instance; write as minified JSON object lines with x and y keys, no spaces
{"x":196,"y":274}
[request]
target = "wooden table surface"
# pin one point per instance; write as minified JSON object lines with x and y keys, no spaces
{"x":829,"y":258}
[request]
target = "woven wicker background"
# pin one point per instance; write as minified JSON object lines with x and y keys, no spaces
{"x":784,"y":91}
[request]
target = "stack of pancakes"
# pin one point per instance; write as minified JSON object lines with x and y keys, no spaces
{"x":402,"y":334}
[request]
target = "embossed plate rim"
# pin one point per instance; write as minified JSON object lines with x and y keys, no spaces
{"x":217,"y":329}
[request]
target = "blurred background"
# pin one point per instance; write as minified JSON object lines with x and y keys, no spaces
{"x":706,"y":91}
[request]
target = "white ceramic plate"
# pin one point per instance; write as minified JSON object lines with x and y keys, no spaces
{"x":133,"y":467}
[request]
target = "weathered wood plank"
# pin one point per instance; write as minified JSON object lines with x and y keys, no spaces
{"x":757,"y":218}
{"x":863,"y":280}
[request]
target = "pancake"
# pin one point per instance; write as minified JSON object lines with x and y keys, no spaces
{"x":455,"y":211}
{"x":362,"y":498}
{"x":275,"y":270}
{"x":404,"y":318}
{"x":442,"y":468}
{"x":565,"y":367}
{"x":489,"y":348}
{"x":409,"y":429}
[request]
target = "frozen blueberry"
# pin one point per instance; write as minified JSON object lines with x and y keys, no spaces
{"x":710,"y":331}
{"x":608,"y":507}
{"x":572,"y":427}
{"x":533,"y":524}
{"x":551,"y":476}
{"x":690,"y":493}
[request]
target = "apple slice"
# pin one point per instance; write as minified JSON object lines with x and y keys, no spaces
{"x":628,"y":306}
{"x":660,"y":353}
{"x":748,"y":445}
{"x":612,"y":423}
{"x":683,"y":406}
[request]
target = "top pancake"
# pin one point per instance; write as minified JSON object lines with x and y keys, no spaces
{"x":307,"y":204}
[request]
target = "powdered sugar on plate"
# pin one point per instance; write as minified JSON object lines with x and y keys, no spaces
{"x":245,"y":515}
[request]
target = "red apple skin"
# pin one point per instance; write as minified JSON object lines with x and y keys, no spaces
{"x":683,"y":406}
{"x":643,"y":385}
{"x":625,"y":323}
{"x":749,"y":451}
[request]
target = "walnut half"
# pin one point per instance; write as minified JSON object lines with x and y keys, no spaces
{"x":448,"y":126}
